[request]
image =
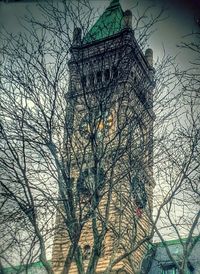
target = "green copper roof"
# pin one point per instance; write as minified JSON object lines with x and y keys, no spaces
{"x":109,"y":23}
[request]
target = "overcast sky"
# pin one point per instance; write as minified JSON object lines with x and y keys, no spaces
{"x":182,"y":19}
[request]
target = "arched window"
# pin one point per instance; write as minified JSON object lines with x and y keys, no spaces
{"x":107,"y":75}
{"x":84,"y":81}
{"x":135,"y":80}
{"x":99,"y":76}
{"x":139,"y":192}
{"x":86,"y":184}
{"x":115,"y":72}
{"x":91,"y":79}
{"x":86,"y":252}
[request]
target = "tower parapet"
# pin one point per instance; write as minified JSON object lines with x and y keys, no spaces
{"x":128,"y":19}
{"x":77,"y":37}
{"x":149,"y":56}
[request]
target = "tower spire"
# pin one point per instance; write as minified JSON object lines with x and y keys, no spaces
{"x":114,"y":3}
{"x":109,"y":23}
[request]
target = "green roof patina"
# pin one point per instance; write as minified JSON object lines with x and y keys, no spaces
{"x":109,"y":23}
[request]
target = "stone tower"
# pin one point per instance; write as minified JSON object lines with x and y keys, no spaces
{"x":109,"y":137}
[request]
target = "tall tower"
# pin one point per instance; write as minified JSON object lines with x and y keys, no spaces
{"x":109,"y":131}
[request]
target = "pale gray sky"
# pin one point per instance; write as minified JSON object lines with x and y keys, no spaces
{"x":182,"y":17}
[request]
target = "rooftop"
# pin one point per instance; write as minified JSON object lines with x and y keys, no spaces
{"x":108,"y":24}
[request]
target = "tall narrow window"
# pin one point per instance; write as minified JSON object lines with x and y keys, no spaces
{"x":107,"y":75}
{"x":84,"y":81}
{"x":115,"y":72}
{"x":99,"y":76}
{"x":86,"y":252}
{"x":91,"y":79}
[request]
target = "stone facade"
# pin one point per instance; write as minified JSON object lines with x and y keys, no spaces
{"x":110,"y":116}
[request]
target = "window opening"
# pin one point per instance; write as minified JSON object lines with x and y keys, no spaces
{"x":86,"y":252}
{"x":86,"y":182}
{"x":115,"y":72}
{"x":169,"y":269}
{"x":91,"y":79}
{"x":107,"y":75}
{"x":139,"y":193}
{"x":135,"y":80}
{"x":99,"y":76}
{"x":84,"y":81}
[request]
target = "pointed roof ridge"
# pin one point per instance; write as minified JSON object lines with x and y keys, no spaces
{"x":108,"y":24}
{"x":113,"y":3}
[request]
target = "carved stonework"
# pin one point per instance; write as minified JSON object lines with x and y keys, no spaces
{"x":111,"y":65}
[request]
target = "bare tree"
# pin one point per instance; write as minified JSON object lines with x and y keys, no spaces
{"x":177,"y":170}
{"x":76,"y":142}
